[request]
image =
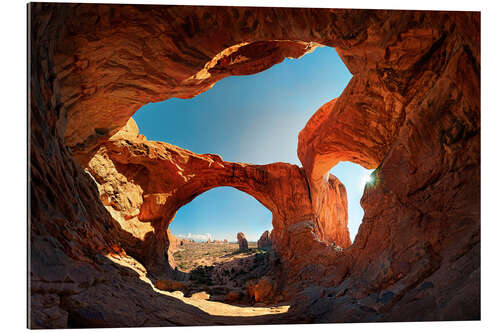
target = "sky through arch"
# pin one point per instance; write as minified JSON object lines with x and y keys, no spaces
{"x":252,"y":119}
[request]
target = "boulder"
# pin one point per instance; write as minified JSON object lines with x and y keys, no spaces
{"x":262,"y":290}
{"x":171,"y":285}
{"x":202,"y":295}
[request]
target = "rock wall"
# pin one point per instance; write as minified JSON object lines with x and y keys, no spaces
{"x":417,"y":121}
{"x":411,"y":110}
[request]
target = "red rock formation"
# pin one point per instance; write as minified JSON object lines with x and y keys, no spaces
{"x":171,"y":285}
{"x":419,"y":122}
{"x":242,"y":241}
{"x":411,"y":110}
{"x":265,"y":240}
{"x":168,"y":177}
{"x":262,"y":291}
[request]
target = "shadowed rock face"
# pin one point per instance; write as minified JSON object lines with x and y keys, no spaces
{"x":411,"y":111}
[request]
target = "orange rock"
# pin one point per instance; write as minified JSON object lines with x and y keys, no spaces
{"x":265,"y":240}
{"x":171,"y":285}
{"x":200,"y":295}
{"x":160,"y":169}
{"x":411,"y":110}
{"x":264,"y":290}
{"x":174,"y":242}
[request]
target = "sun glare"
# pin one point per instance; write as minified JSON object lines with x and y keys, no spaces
{"x":367,"y":179}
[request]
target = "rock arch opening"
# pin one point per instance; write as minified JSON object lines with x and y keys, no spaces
{"x":220,"y":213}
{"x":355,"y":178}
{"x":307,"y":203}
{"x":221,"y":250}
{"x":165,"y":189}
{"x":250,"y":118}
{"x":257,"y":119}
{"x":223,"y":247}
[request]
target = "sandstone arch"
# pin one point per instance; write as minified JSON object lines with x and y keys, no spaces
{"x":416,"y":78}
{"x":162,"y":178}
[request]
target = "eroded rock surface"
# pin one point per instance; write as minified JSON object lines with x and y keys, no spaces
{"x":417,"y":123}
{"x":265,"y":240}
{"x":411,"y":111}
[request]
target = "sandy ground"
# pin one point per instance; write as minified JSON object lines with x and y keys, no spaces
{"x":191,"y":255}
{"x":210,"y":307}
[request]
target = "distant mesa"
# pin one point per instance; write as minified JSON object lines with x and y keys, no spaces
{"x":216,"y":241}
{"x":265,"y":241}
{"x":242,"y":241}
{"x":185,"y":241}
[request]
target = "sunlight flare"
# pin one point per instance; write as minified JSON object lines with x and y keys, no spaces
{"x":367,"y":179}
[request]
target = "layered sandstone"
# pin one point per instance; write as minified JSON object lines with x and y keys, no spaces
{"x":411,"y":111}
{"x":417,"y":122}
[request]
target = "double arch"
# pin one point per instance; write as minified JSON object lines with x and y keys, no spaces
{"x":415,"y":77}
{"x":170,"y":177}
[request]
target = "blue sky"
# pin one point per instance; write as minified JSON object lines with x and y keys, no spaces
{"x":252,"y":119}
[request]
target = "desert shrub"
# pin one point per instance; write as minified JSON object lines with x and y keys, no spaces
{"x":202,"y":275}
{"x":243,"y":251}
{"x":260,"y":258}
